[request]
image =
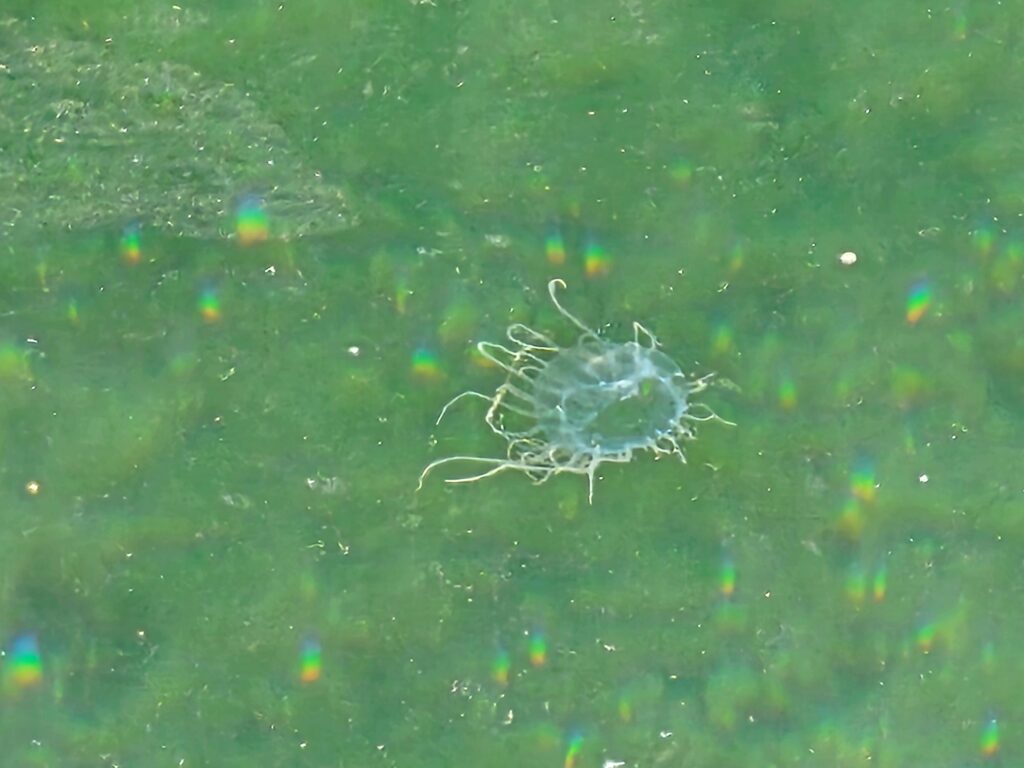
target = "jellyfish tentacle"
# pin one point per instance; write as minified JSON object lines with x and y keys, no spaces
{"x":708,"y":415}
{"x":699,"y":385}
{"x":546,"y":343}
{"x":501,"y":465}
{"x":467,"y":393}
{"x":515,"y":391}
{"x":560,"y":283}
{"x":489,"y":350}
{"x":638,"y":329}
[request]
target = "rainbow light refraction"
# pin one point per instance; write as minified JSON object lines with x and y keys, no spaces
{"x":727,"y":578}
{"x":862,"y":480}
{"x":538,"y":648}
{"x":554,"y":247}
{"x":919,"y":299}
{"x":879,"y":584}
{"x":251,"y":221}
{"x":990,"y":738}
{"x":573,"y":750}
{"x":787,"y":392}
{"x":426,"y":365}
{"x":925,"y":636}
{"x":310,"y":663}
{"x":501,"y":666}
{"x":131,"y":244}
{"x":596,"y":261}
{"x":24,"y":667}
{"x":209,"y":304}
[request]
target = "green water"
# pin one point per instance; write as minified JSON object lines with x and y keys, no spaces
{"x":209,"y":458}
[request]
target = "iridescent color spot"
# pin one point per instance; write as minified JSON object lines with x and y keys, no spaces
{"x":727,"y":578}
{"x":990,"y":738}
{"x":596,"y":262}
{"x":24,"y":667}
{"x":879,"y":584}
{"x":310,"y":665}
{"x":851,"y":519}
{"x":862,"y":480}
{"x":572,"y":752}
{"x":251,"y":221}
{"x":574,"y":409}
{"x":538,"y":648}
{"x":787,"y":392}
{"x":919,"y":299}
{"x":925,"y":637}
{"x":131,"y":244}
{"x":209,"y":305}
{"x":426,"y":365}
{"x":554,"y":247}
{"x":856,"y":585}
{"x":501,"y":666}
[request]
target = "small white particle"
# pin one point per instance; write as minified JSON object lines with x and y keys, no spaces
{"x":848,"y":258}
{"x":923,"y":479}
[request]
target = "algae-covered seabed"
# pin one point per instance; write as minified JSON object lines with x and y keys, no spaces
{"x":226,"y":439}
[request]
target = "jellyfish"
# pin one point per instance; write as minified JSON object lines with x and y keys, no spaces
{"x":572,"y":409}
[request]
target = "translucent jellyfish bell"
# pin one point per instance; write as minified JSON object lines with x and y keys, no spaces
{"x":572,"y":409}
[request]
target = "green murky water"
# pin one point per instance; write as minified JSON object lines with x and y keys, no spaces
{"x":208,"y":458}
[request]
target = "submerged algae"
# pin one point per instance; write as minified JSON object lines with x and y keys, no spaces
{"x":94,"y":134}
